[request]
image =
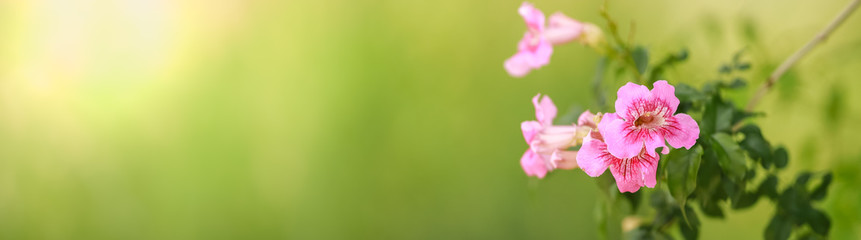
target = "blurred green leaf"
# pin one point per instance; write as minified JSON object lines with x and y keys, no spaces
{"x":746,"y":199}
{"x":742,"y":66}
{"x":730,"y":156}
{"x":819,"y":222}
{"x":711,"y":208}
{"x":731,"y":188}
{"x":691,"y":228}
{"x":768,"y":187}
{"x":755,"y":145}
{"x":779,"y":228}
{"x":795,"y":203}
{"x":725,"y":69}
{"x":802,"y":180}
{"x":736,"y":83}
{"x":781,"y":157}
{"x":820,"y":191}
{"x":682,"y":168}
{"x":641,"y":58}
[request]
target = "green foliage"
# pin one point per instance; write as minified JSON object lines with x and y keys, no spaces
{"x":721,"y":169}
{"x":719,"y":173}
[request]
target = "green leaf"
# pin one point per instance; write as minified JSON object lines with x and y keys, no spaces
{"x":802,"y":180}
{"x":779,"y":228}
{"x":819,"y":222}
{"x":768,"y":187}
{"x":730,"y":156}
{"x":641,"y":58}
{"x":755,"y":145}
{"x":731,"y":188}
{"x":718,"y":116}
{"x":743,"y":66}
{"x":781,"y":157}
{"x":745,"y":200}
{"x":795,"y":203}
{"x":682,"y":168}
{"x":691,"y":228}
{"x":820,"y":191}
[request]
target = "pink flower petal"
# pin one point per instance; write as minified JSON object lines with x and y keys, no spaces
{"x":545,"y":111}
{"x":627,"y":96}
{"x":537,"y":49}
{"x":663,"y":91}
{"x":681,"y":131}
{"x":532,"y":53}
{"x":633,"y":173}
{"x":622,"y":140}
{"x":530,"y":129}
{"x":653,"y":140}
{"x":587,"y":119}
{"x":593,"y":157}
{"x":534,"y":18}
{"x":518,"y":65}
{"x":533,"y":164}
{"x":562,"y":29}
{"x":564,"y":159}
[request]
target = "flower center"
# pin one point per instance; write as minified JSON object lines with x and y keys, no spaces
{"x":648,"y":120}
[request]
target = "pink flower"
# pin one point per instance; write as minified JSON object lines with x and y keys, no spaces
{"x":645,"y":118}
{"x":536,"y":46}
{"x":630,"y":173}
{"x":588,"y":119}
{"x":548,"y":143}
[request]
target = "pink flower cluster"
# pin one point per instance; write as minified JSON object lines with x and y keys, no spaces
{"x":536,"y":46}
{"x":548,"y":143}
{"x":624,"y":141}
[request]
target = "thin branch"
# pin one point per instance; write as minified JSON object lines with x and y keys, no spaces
{"x":819,"y":38}
{"x":628,"y":57}
{"x":772,"y":79}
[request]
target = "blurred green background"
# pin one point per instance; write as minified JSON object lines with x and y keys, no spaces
{"x":339,"y":119}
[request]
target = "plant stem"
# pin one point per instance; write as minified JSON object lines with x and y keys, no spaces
{"x":822,"y":36}
{"x":627,"y":56}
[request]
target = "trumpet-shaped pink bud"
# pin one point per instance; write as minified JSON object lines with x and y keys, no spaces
{"x":647,"y":119}
{"x":536,"y":46}
{"x":630,"y":173}
{"x":562,"y":29}
{"x":548,"y":143}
